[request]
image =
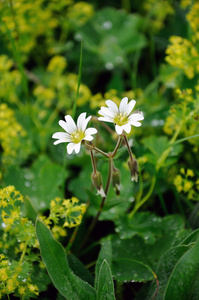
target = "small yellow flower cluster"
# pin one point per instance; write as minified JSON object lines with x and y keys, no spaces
{"x":157,"y":12}
{"x":18,"y":239}
{"x":98,"y":100}
{"x":193,"y":18}
{"x":64,"y":213}
{"x":10,"y":80}
{"x":180,"y":113}
{"x":10,"y":134}
{"x":61,"y":87}
{"x":182,"y":54}
{"x":184,"y":184}
{"x":80,"y":13}
{"x":29,"y":22}
{"x":185,"y":3}
{"x":13,"y":221}
{"x":13,"y":281}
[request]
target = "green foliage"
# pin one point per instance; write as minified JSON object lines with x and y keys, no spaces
{"x":148,"y":230}
{"x":54,"y":257}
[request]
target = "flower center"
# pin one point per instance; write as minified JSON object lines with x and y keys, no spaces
{"x":120,"y":119}
{"x":77,"y":136}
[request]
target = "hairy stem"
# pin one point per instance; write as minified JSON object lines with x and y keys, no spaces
{"x":94,"y":222}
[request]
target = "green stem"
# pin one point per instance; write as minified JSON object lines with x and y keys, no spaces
{"x":117,"y":146}
{"x":92,"y":147}
{"x":94,"y":222}
{"x":93,"y":162}
{"x":140,"y":203}
{"x":128,"y":147}
{"x":71,"y":241}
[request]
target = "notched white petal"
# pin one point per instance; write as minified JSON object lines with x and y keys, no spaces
{"x":71,"y":126}
{"x":130,"y":106}
{"x":90,"y":131}
{"x":123,"y":105}
{"x":77,"y":147}
{"x":88,"y":138}
{"x":60,"y":141}
{"x":106,"y":119}
{"x":118,"y":129}
{"x":112,"y":106}
{"x":70,"y":147}
{"x":81,"y":120}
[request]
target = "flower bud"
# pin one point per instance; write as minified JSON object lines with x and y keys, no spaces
{"x":97,"y":182}
{"x":116,"y":180}
{"x":133,"y":168}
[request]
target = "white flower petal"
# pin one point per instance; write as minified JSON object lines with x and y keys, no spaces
{"x":61,"y":135}
{"x":63,"y":125}
{"x":105,"y":111}
{"x":118,"y":129}
{"x":82,"y":121}
{"x":70,"y":124}
{"x":90,"y":131}
{"x":77,"y":147}
{"x":60,"y":141}
{"x":135,"y":117}
{"x":130,"y":106}
{"x":106,"y":119}
{"x":136,"y":124}
{"x":127,"y":128}
{"x":88,"y":138}
{"x":86,"y":122}
{"x":70,"y":147}
{"x":123,"y":105}
{"x":112,"y":106}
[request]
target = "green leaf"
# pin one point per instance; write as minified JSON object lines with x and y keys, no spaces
{"x":166,"y":265}
{"x":184,"y":280}
{"x":157,"y":145}
{"x":185,"y":139}
{"x":131,"y":270}
{"x":79,"y":269}
{"x":105,"y":254}
{"x":55,"y":259}
{"x":112,"y":35}
{"x":168,"y":233}
{"x":105,"y":287}
{"x":29,"y":210}
{"x":41,"y":183}
{"x":144,"y":224}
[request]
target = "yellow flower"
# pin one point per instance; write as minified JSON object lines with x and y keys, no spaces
{"x":190,"y":173}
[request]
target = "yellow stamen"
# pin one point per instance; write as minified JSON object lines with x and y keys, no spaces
{"x":77,"y":136}
{"x":121,"y":119}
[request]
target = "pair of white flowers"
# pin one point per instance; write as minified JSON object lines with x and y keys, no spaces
{"x":121,"y":116}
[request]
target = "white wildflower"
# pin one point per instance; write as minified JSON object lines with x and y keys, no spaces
{"x":74,"y":134}
{"x":122,"y":116}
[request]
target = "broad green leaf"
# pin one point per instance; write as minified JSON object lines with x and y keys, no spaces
{"x":55,"y":259}
{"x":29,"y":210}
{"x":184,"y":280}
{"x":144,"y":224}
{"x":170,"y":233}
{"x":105,"y":286}
{"x":105,"y":254}
{"x":41,"y":183}
{"x":192,"y":237}
{"x":157,"y":145}
{"x":79,"y":269}
{"x":112,"y":35}
{"x":131,"y":270}
{"x":166,"y":265}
